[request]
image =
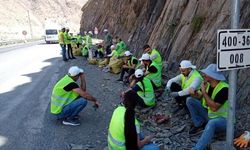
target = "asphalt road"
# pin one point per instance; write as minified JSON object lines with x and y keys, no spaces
{"x":27,"y":76}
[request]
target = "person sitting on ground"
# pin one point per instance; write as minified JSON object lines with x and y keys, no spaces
{"x":155,"y":56}
{"x":130,"y":65}
{"x":184,"y":84}
{"x":212,"y":111}
{"x":114,"y":54}
{"x":120,"y":47}
{"x":68,"y":99}
{"x":124,"y":129}
{"x":144,"y":89}
{"x":152,"y":70}
{"x":99,"y":52}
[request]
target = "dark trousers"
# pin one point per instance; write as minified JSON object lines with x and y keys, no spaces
{"x":100,"y":54}
{"x":70,"y":54}
{"x":129,"y":71}
{"x":108,"y":50}
{"x":140,"y":101}
{"x":181,"y":100}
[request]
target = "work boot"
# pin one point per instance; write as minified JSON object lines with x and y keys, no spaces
{"x":196,"y":130}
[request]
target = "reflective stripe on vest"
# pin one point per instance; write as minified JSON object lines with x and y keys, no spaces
{"x":60,"y":97}
{"x":222,"y":111}
{"x":185,"y":83}
{"x":116,"y":137}
{"x":147,"y":94}
{"x":158,"y":59}
{"x":155,"y":77}
{"x":130,"y":62}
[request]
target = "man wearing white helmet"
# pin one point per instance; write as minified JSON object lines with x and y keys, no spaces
{"x":107,"y":41}
{"x":144,"y":89}
{"x":130,"y":65}
{"x":185,"y":83}
{"x":68,"y":98}
{"x":152,"y":70}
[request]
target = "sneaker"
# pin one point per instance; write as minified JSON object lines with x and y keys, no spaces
{"x":196,"y":130}
{"x":71,"y":122}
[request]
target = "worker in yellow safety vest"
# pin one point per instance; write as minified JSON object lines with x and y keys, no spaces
{"x":152,"y":70}
{"x":155,"y":56}
{"x":209,"y":106}
{"x":62,"y":43}
{"x":68,"y":99}
{"x":184,"y":84}
{"x":130,"y":64}
{"x":144,"y":89}
{"x":124,"y":129}
{"x":68,"y":38}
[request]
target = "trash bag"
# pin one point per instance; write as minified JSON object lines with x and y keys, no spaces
{"x":92,"y":61}
{"x":115,"y":65}
{"x":103,"y":63}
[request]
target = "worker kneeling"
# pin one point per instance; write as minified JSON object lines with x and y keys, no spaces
{"x":124,"y":128}
{"x":68,"y":99}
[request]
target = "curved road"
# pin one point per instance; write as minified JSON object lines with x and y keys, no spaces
{"x":27,"y":76}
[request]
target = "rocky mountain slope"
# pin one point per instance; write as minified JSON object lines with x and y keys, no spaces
{"x":14,"y":16}
{"x":180,"y":29}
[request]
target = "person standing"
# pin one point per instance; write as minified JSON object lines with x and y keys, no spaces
{"x":107,"y":41}
{"x":68,"y":98}
{"x":212,"y":111}
{"x":124,"y":129}
{"x":62,"y":44}
{"x":68,"y":38}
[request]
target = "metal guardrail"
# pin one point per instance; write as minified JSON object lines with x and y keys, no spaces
{"x":11,"y":42}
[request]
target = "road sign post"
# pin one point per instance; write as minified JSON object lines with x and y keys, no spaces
{"x":232,"y":53}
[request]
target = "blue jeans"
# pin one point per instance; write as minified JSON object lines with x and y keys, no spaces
{"x":213,"y":125}
{"x":63,"y":51}
{"x":149,"y":146}
{"x":197,"y":111}
{"x":71,"y":110}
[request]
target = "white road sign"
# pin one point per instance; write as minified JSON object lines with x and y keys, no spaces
{"x":233,"y":49}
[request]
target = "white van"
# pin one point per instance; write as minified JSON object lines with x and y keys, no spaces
{"x":51,"y":36}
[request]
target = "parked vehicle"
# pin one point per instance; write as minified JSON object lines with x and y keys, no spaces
{"x":51,"y":36}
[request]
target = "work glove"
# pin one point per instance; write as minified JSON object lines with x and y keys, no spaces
{"x":243,"y":140}
{"x":174,"y":94}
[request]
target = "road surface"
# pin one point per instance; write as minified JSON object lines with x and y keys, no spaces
{"x":27,"y":76}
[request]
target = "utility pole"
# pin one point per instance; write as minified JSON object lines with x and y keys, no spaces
{"x":235,"y":13}
{"x":31,"y":32}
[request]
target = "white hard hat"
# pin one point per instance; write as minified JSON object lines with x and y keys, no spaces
{"x":105,"y":30}
{"x":112,"y":47}
{"x":128,"y":53}
{"x":145,"y":56}
{"x":138,"y":73}
{"x":186,"y":64}
{"x":90,"y":32}
{"x":74,"y":70}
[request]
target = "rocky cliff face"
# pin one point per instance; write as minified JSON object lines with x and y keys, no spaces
{"x":14,"y":16}
{"x":180,"y":29}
